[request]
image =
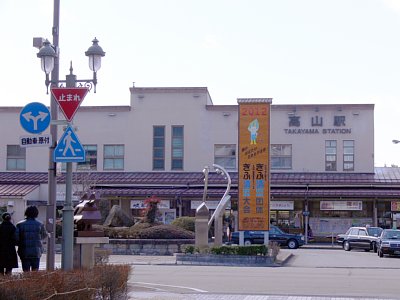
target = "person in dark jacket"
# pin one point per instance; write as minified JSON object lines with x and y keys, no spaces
{"x":30,"y":234}
{"x":8,"y":255}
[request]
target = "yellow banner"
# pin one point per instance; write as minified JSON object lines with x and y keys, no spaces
{"x":254,"y":173}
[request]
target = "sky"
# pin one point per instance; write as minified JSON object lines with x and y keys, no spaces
{"x":294,"y":51}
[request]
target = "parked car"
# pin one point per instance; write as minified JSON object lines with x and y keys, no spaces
{"x":292,"y":241}
{"x":360,"y":238}
{"x":389,"y":242}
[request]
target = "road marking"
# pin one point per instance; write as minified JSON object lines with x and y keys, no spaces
{"x":173,"y":286}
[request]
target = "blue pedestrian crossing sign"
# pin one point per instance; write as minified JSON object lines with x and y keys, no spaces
{"x":35,"y":117}
{"x":69,"y":148}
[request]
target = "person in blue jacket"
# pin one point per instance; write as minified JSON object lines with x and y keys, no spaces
{"x":29,"y":235}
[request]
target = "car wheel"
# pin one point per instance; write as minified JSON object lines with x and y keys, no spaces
{"x":292,"y":244}
{"x":373,"y":247}
{"x":346,"y":246}
{"x":380,"y":253}
{"x":247,"y":242}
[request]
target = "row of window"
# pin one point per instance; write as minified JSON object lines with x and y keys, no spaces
{"x":281,"y":156}
{"x":224,"y":154}
{"x":159,"y":148}
{"x":114,"y":155}
{"x":331,"y":155}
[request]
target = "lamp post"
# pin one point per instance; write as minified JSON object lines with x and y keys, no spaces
{"x":49,"y":57}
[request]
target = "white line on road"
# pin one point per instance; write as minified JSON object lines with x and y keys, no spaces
{"x":173,"y":286}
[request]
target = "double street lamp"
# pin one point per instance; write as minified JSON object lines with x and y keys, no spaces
{"x":48,"y":54}
{"x":49,"y":60}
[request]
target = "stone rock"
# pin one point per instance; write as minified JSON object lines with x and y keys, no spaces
{"x":118,"y":218}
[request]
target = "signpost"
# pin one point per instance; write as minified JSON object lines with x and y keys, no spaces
{"x":69,"y":148}
{"x":69,"y":99}
{"x":35,"y":117}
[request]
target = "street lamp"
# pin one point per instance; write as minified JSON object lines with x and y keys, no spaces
{"x":48,"y":55}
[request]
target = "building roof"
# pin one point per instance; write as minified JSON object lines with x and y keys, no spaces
{"x":382,"y":176}
{"x":385,"y":182}
{"x":16,"y":190}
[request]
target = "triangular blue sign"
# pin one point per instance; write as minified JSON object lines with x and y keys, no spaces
{"x":69,"y":148}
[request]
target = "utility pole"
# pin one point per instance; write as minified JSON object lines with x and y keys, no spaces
{"x":52,"y":180}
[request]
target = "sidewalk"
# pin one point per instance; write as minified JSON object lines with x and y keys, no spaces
{"x":324,"y":246}
{"x":171,"y":260}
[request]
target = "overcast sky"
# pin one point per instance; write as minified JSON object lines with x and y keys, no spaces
{"x":294,"y":51}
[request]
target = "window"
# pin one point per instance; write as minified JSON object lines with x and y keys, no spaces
{"x":177,"y":148}
{"x":225,"y":155}
{"x":348,"y":155}
{"x":158,"y":147}
{"x":91,"y":159}
{"x":281,"y":156}
{"x":113,"y":157}
{"x":16,"y":158}
{"x":330,"y":155}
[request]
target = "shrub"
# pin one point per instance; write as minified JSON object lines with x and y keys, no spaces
{"x":165,"y":232}
{"x":189,"y":249}
{"x":148,"y":231}
{"x":192,"y":249}
{"x":101,"y":282}
{"x":240,"y":250}
{"x":187,"y":223}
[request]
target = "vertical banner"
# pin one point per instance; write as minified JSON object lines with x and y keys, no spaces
{"x":254,"y":172}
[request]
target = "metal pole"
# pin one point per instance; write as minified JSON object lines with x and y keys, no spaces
{"x":52,"y":180}
{"x":68,"y":211}
{"x":68,"y":224}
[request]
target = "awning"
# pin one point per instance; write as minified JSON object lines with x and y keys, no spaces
{"x":16,"y":190}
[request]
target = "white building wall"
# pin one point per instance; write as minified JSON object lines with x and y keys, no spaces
{"x":205,"y":125}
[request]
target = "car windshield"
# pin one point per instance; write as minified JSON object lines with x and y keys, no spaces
{"x":392,"y":235}
{"x":374,"y":231}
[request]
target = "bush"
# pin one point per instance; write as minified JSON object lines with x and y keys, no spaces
{"x":187,"y":223}
{"x":101,"y":282}
{"x":241,"y":250}
{"x":147,"y":231}
{"x":165,"y":232}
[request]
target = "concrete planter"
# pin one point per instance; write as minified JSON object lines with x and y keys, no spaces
{"x":224,"y":260}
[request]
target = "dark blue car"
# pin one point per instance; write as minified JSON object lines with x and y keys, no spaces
{"x":292,"y":241}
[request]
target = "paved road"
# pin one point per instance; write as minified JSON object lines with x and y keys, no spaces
{"x":309,"y":274}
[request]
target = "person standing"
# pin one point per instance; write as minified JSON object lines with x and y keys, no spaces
{"x":30,"y":234}
{"x":8,"y":255}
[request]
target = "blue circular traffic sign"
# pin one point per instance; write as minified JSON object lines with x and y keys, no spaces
{"x":35,"y":117}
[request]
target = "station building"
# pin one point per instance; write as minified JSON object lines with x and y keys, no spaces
{"x":322,"y":160}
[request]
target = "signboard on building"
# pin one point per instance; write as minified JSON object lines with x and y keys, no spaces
{"x":139,"y":204}
{"x":211,"y":204}
{"x":281,"y":205}
{"x":254,"y":173}
{"x":341,"y":205}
